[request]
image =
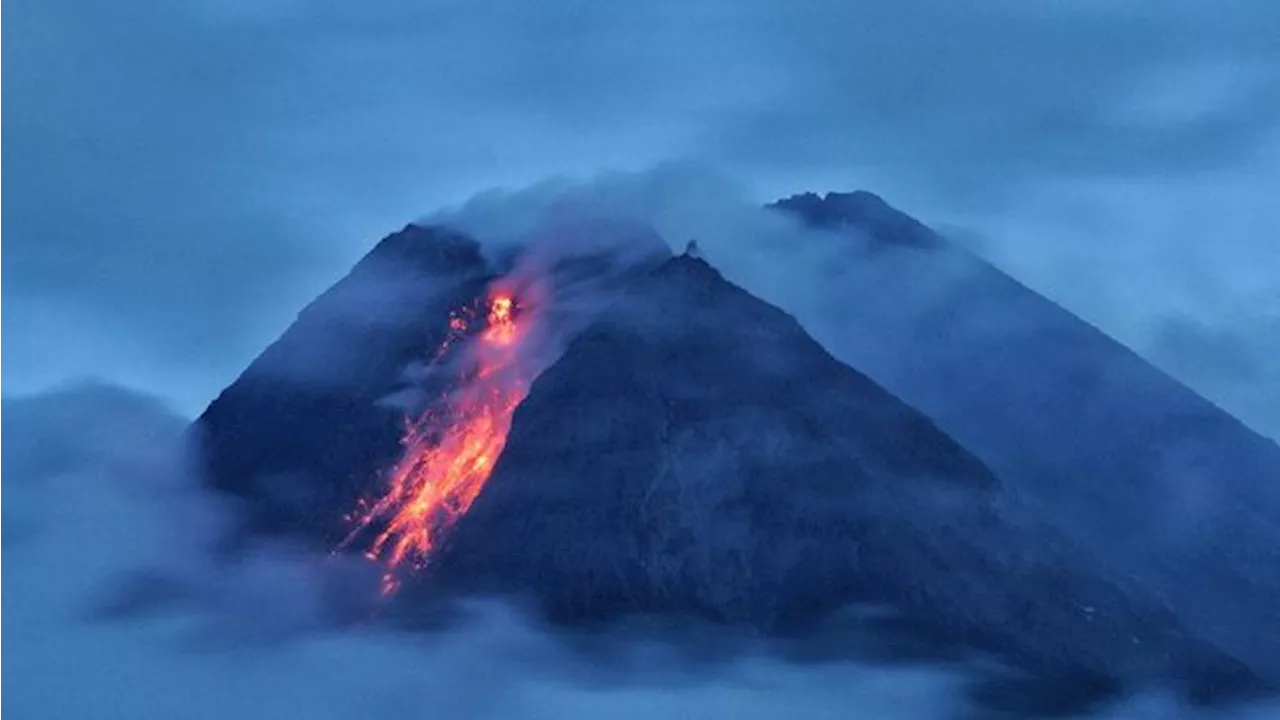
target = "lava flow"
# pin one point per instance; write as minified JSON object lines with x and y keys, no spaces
{"x":450,"y":450}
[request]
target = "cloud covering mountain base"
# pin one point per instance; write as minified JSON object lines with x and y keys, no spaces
{"x":121,"y":576}
{"x":121,"y":603}
{"x":87,"y":516}
{"x":87,"y":510}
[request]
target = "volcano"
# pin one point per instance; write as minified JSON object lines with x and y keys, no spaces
{"x":714,"y":452}
{"x":653,"y":440}
{"x":1143,"y":475}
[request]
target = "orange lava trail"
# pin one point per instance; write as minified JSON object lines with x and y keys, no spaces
{"x":450,"y":450}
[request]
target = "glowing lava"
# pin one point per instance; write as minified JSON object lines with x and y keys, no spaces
{"x":450,"y":450}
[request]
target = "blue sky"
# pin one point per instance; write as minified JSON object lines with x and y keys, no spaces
{"x":184,"y":176}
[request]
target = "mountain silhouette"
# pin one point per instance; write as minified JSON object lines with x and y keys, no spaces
{"x":684,"y":449}
{"x":1144,"y":476}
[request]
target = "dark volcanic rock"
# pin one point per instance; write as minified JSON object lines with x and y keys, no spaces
{"x":1145,"y":477}
{"x":301,"y":433}
{"x":312,"y":424}
{"x":695,"y":452}
{"x":861,"y":210}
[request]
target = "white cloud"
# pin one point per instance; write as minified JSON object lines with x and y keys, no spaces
{"x":248,"y":639}
{"x":1182,"y":269}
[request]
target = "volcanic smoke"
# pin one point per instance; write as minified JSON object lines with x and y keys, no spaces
{"x":451,"y":448}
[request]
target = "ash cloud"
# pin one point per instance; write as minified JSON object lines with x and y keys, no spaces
{"x":1176,"y":270}
{"x":889,"y":313}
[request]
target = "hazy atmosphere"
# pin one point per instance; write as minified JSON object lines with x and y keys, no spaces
{"x":184,"y":176}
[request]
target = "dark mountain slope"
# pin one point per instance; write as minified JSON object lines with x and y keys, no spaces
{"x":300,"y":433}
{"x":696,"y":453}
{"x":1142,"y":474}
{"x":683,"y":435}
{"x":863,"y":211}
{"x":693,"y":453}
{"x":314,"y":422}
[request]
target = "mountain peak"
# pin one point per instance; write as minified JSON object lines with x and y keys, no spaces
{"x":691,"y":264}
{"x":435,"y":249}
{"x":860,"y":210}
{"x":691,"y":452}
{"x":689,"y":449}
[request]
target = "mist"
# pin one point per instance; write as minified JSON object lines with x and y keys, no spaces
{"x":251,"y":636}
{"x":1180,"y":269}
{"x":186,"y":176}
{"x":1043,"y":399}
{"x":89,"y":513}
{"x":114,"y":545}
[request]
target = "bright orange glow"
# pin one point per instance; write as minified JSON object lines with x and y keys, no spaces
{"x":450,"y":450}
{"x":501,"y":328}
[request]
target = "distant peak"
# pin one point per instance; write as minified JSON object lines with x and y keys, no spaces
{"x":861,"y":210}
{"x":690,"y":264}
{"x":434,"y":248}
{"x":850,"y":199}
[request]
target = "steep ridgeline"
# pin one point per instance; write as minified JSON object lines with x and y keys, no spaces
{"x":695,"y":452}
{"x":315,"y":423}
{"x":862,"y":211}
{"x":302,"y":432}
{"x":692,"y":453}
{"x":1148,"y":479}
